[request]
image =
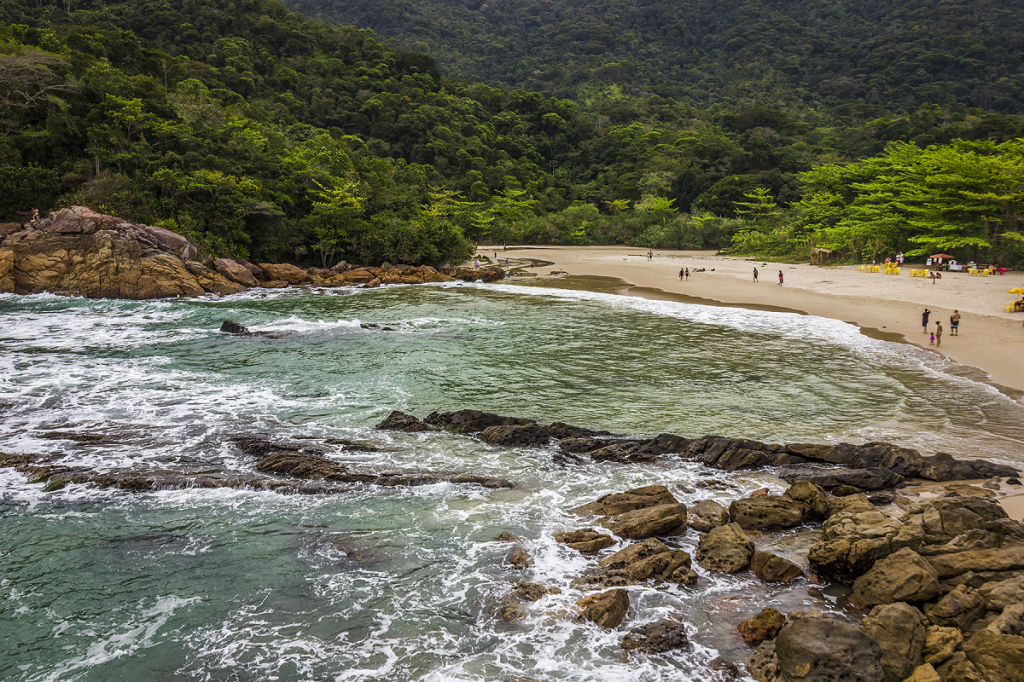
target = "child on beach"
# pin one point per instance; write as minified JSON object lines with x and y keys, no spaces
{"x":932,"y":342}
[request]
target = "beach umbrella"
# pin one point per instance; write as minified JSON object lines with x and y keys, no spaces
{"x":1018,"y":290}
{"x":940,"y":255}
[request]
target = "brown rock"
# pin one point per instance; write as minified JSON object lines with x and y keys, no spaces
{"x":924,"y":673}
{"x":607,"y":609}
{"x":764,"y":626}
{"x":656,"y":638}
{"x":519,"y":558}
{"x":235,"y":272}
{"x":631,"y":554}
{"x":774,"y":569}
{"x":725,"y":549}
{"x":958,"y":609}
{"x":585,"y":541}
{"x":903,"y":576}
{"x":399,"y":421}
{"x":705,"y":515}
{"x":284,"y":271}
{"x":901,"y":631}
{"x":764,"y":664}
{"x":666,"y":519}
{"x":1006,"y":559}
{"x":940,"y":644}
{"x":1000,"y":658}
{"x":620,"y":503}
{"x":826,"y":650}
{"x":767,"y":513}
{"x":812,"y":499}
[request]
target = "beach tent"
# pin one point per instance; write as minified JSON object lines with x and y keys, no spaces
{"x":940,"y":255}
{"x":1018,"y":290}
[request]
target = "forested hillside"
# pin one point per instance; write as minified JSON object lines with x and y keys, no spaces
{"x":806,"y":53}
{"x":255,"y":131}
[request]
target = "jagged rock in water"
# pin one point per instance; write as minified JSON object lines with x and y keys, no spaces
{"x":630,"y":500}
{"x":585,"y":540}
{"x":607,"y":609}
{"x":904,"y":576}
{"x":638,"y":563}
{"x":705,"y":515}
{"x":774,"y":569}
{"x":472,"y":421}
{"x":767,"y":513}
{"x":531,"y":435}
{"x":511,"y":606}
{"x":725,"y":549}
{"x":826,"y":650}
{"x":231,"y":327}
{"x":657,"y":637}
{"x":505,"y":536}
{"x":662,"y":520}
{"x":762,"y":627}
{"x":399,"y":421}
{"x":900,"y":631}
{"x":519,"y":558}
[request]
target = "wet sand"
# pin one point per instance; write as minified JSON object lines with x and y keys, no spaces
{"x":884,"y":306}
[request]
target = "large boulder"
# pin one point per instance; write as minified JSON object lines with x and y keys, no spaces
{"x":76,"y":251}
{"x":999,"y":657}
{"x":662,"y":520}
{"x":774,"y":569}
{"x":630,"y":500}
{"x":901,"y":631}
{"x":235,"y":272}
{"x":285,"y":272}
{"x":902,"y":576}
{"x":826,"y":650}
{"x":812,"y":499}
{"x":472,"y":421}
{"x":725,"y":549}
{"x":607,"y":609}
{"x":766,"y":513}
{"x":637,"y":563}
{"x":959,"y":608}
{"x":705,"y":515}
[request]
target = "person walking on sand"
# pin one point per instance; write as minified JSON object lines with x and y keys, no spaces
{"x":780,"y":278}
{"x":954,"y":323}
{"x":755,"y":274}
{"x":924,"y":319}
{"x":938,"y":334}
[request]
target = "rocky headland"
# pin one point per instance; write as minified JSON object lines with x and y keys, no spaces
{"x":934,"y":586}
{"x":79,"y":252}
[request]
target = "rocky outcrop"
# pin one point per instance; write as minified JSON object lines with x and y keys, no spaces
{"x":630,"y":500}
{"x":772,"y":568}
{"x":638,"y":563}
{"x":705,"y":515}
{"x":903,"y":576}
{"x":79,"y":252}
{"x":513,"y":605}
{"x":399,"y":421}
{"x":766,"y":513}
{"x":585,"y":540}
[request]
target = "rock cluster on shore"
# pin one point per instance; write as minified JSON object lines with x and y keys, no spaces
{"x":79,"y":252}
{"x":938,"y":584}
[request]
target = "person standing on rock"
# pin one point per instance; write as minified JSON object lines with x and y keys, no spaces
{"x":938,"y":334}
{"x":924,"y":319}
{"x":954,"y":323}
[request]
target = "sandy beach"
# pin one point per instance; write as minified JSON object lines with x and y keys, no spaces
{"x":989,"y":338}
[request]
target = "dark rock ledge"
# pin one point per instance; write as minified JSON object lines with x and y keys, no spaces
{"x":279,"y":467}
{"x":871,"y":466}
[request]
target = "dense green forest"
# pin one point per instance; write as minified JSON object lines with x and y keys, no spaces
{"x":808,"y":54}
{"x":260,"y":133}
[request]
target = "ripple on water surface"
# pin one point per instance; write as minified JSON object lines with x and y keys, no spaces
{"x":400,"y":584}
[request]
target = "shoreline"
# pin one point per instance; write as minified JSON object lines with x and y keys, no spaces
{"x":881,"y":306}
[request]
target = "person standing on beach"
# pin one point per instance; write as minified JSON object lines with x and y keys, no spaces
{"x":924,"y":319}
{"x":954,"y":323}
{"x":932,"y":341}
{"x":938,"y":334}
{"x":687,"y":274}
{"x":755,"y":274}
{"x":780,"y":278}
{"x":681,"y":273}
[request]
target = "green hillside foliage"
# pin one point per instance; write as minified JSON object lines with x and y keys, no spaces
{"x":806,"y":53}
{"x":257,"y":132}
